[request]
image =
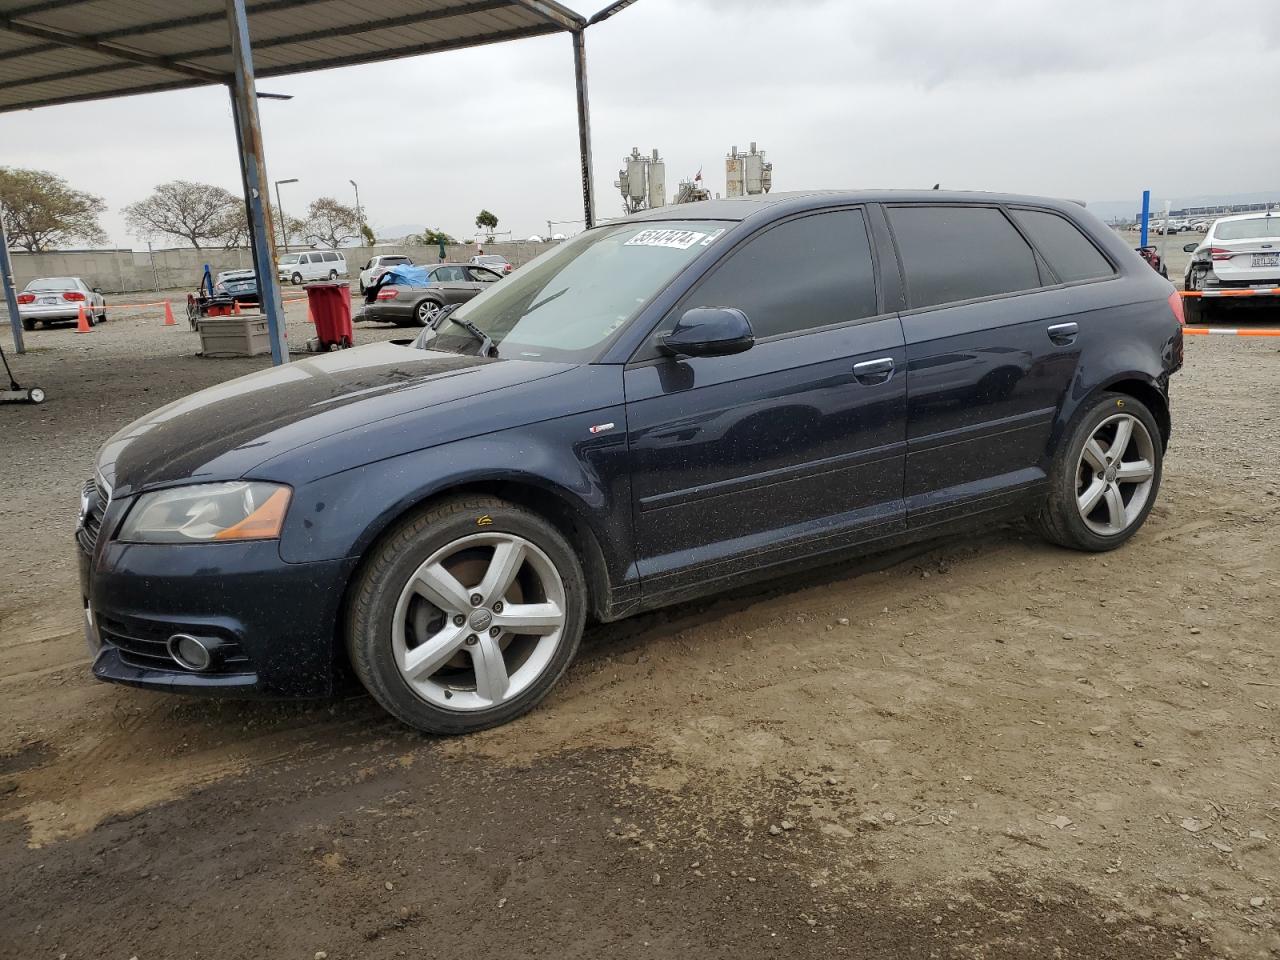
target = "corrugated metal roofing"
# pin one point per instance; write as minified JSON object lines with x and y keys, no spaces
{"x":61,"y":51}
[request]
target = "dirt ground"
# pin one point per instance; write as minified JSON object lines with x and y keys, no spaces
{"x":988,"y":747}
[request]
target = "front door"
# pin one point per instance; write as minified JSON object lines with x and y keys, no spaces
{"x":790,"y":449}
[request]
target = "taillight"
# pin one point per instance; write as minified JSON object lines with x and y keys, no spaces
{"x":26,"y":298}
{"x":1220,"y":253}
{"x":388,"y":293}
{"x":1175,"y":304}
{"x":74,"y":296}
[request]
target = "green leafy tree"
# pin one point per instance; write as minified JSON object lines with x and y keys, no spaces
{"x":329,"y":223}
{"x":431,"y":236}
{"x":202,"y":214}
{"x":366,"y":233}
{"x":488,"y":222}
{"x":42,"y":211}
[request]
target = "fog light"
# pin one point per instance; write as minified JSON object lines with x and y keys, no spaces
{"x":194,"y":653}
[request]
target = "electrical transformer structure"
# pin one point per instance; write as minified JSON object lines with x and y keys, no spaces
{"x":747,"y":174}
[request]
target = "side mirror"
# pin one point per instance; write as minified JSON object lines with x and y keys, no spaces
{"x":710,"y":332}
{"x":1189,"y":247}
{"x":97,"y":289}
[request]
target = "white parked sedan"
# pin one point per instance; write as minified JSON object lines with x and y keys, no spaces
{"x":1241,"y":251}
{"x":58,"y":300}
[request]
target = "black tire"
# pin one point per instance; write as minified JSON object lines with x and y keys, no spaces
{"x":363,"y":291}
{"x":296,"y":279}
{"x":333,"y":275}
{"x":28,"y":325}
{"x":1059,"y":520}
{"x":395,"y":559}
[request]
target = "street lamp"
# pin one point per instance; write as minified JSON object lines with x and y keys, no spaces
{"x":359,"y":216}
{"x":284,"y":224}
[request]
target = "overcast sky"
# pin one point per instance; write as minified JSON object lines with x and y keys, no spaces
{"x":1092,"y":99}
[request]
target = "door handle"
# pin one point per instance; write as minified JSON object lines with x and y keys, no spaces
{"x":872,"y":372}
{"x":1064,"y":334}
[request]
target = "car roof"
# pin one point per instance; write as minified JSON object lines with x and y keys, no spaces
{"x":741,"y":208}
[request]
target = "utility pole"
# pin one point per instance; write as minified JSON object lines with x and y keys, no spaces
{"x":359,"y":215}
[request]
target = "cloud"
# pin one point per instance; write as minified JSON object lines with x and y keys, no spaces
{"x":1089,"y":99}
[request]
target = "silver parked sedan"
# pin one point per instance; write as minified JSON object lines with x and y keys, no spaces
{"x":58,"y":300}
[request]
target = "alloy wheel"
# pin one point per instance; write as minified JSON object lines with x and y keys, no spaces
{"x":427,"y":312}
{"x":478,"y":622}
{"x":1115,"y":475}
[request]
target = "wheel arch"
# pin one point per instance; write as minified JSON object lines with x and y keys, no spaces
{"x":556,"y":506}
{"x":1151,"y":395}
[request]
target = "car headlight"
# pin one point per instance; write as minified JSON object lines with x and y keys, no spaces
{"x":207,"y":513}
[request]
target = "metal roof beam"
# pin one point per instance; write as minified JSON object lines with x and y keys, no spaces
{"x":617,"y":7}
{"x":108,"y":50}
{"x":554,"y":12}
{"x":409,"y":19}
{"x":159,"y":26}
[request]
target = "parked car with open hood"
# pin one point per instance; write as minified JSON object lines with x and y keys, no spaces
{"x":408,"y":295}
{"x":662,"y":407}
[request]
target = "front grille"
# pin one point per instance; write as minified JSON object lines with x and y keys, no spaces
{"x":94,"y":499}
{"x":143,"y":644}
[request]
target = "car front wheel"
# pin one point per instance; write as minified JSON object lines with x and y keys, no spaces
{"x":1104,"y":480}
{"x":296,"y":279}
{"x":466,"y":615}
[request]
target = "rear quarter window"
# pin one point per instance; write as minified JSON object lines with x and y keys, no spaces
{"x":1071,"y":255}
{"x":952,"y":253}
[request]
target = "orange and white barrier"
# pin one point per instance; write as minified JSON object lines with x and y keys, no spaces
{"x":1234,"y":292}
{"x":1231,"y":331}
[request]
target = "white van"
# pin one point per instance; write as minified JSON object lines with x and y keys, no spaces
{"x":312,"y":265}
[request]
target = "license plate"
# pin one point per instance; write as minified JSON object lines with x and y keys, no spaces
{"x":48,"y":301}
{"x":1266,"y":259}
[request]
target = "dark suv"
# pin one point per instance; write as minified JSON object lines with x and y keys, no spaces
{"x":659,"y":408}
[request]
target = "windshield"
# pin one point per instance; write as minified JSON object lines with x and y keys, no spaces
{"x":53,"y":283}
{"x":568,"y":302}
{"x":1247,"y":229}
{"x":290,"y":258}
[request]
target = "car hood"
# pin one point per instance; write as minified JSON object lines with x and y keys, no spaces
{"x":225,"y":431}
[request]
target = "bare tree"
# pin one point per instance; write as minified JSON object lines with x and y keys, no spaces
{"x":329,"y":223}
{"x":199,"y":213}
{"x":42,"y":211}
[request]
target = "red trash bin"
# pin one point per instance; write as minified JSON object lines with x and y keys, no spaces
{"x":330,"y":305}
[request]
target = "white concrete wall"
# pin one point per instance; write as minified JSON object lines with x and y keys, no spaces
{"x":119,"y":271}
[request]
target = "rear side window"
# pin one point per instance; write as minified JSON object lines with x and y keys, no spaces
{"x":331,"y":257}
{"x":800,"y":275}
{"x":1071,"y":255}
{"x":960,"y":253}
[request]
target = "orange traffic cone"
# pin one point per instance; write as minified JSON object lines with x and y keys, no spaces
{"x":82,"y":321}
{"x":168,"y":315}
{"x":235,"y":308}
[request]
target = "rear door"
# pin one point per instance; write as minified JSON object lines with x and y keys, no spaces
{"x":789,"y":449}
{"x":992,"y":347}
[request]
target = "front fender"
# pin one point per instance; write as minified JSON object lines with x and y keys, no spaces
{"x":341,"y":515}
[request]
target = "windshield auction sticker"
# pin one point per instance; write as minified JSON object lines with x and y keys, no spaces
{"x":676,"y":239}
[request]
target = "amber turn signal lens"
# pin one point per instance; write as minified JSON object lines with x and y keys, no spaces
{"x":263,"y":524}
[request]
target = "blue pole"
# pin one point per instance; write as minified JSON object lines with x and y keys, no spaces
{"x":10,"y":294}
{"x":244,"y":106}
{"x":1146,"y":215}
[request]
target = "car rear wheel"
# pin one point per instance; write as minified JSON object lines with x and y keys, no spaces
{"x":426,"y":312}
{"x":1104,"y":480}
{"x":296,"y":279}
{"x":466,"y":615}
{"x":333,"y":275}
{"x":28,"y":325}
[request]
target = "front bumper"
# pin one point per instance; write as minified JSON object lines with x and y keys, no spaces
{"x":279,"y":620}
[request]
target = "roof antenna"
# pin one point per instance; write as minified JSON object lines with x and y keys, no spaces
{"x":937,"y":186}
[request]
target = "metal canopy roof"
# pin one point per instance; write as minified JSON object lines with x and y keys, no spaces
{"x":62,"y":51}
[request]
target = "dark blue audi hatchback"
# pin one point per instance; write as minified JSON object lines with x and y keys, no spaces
{"x":659,"y":408}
